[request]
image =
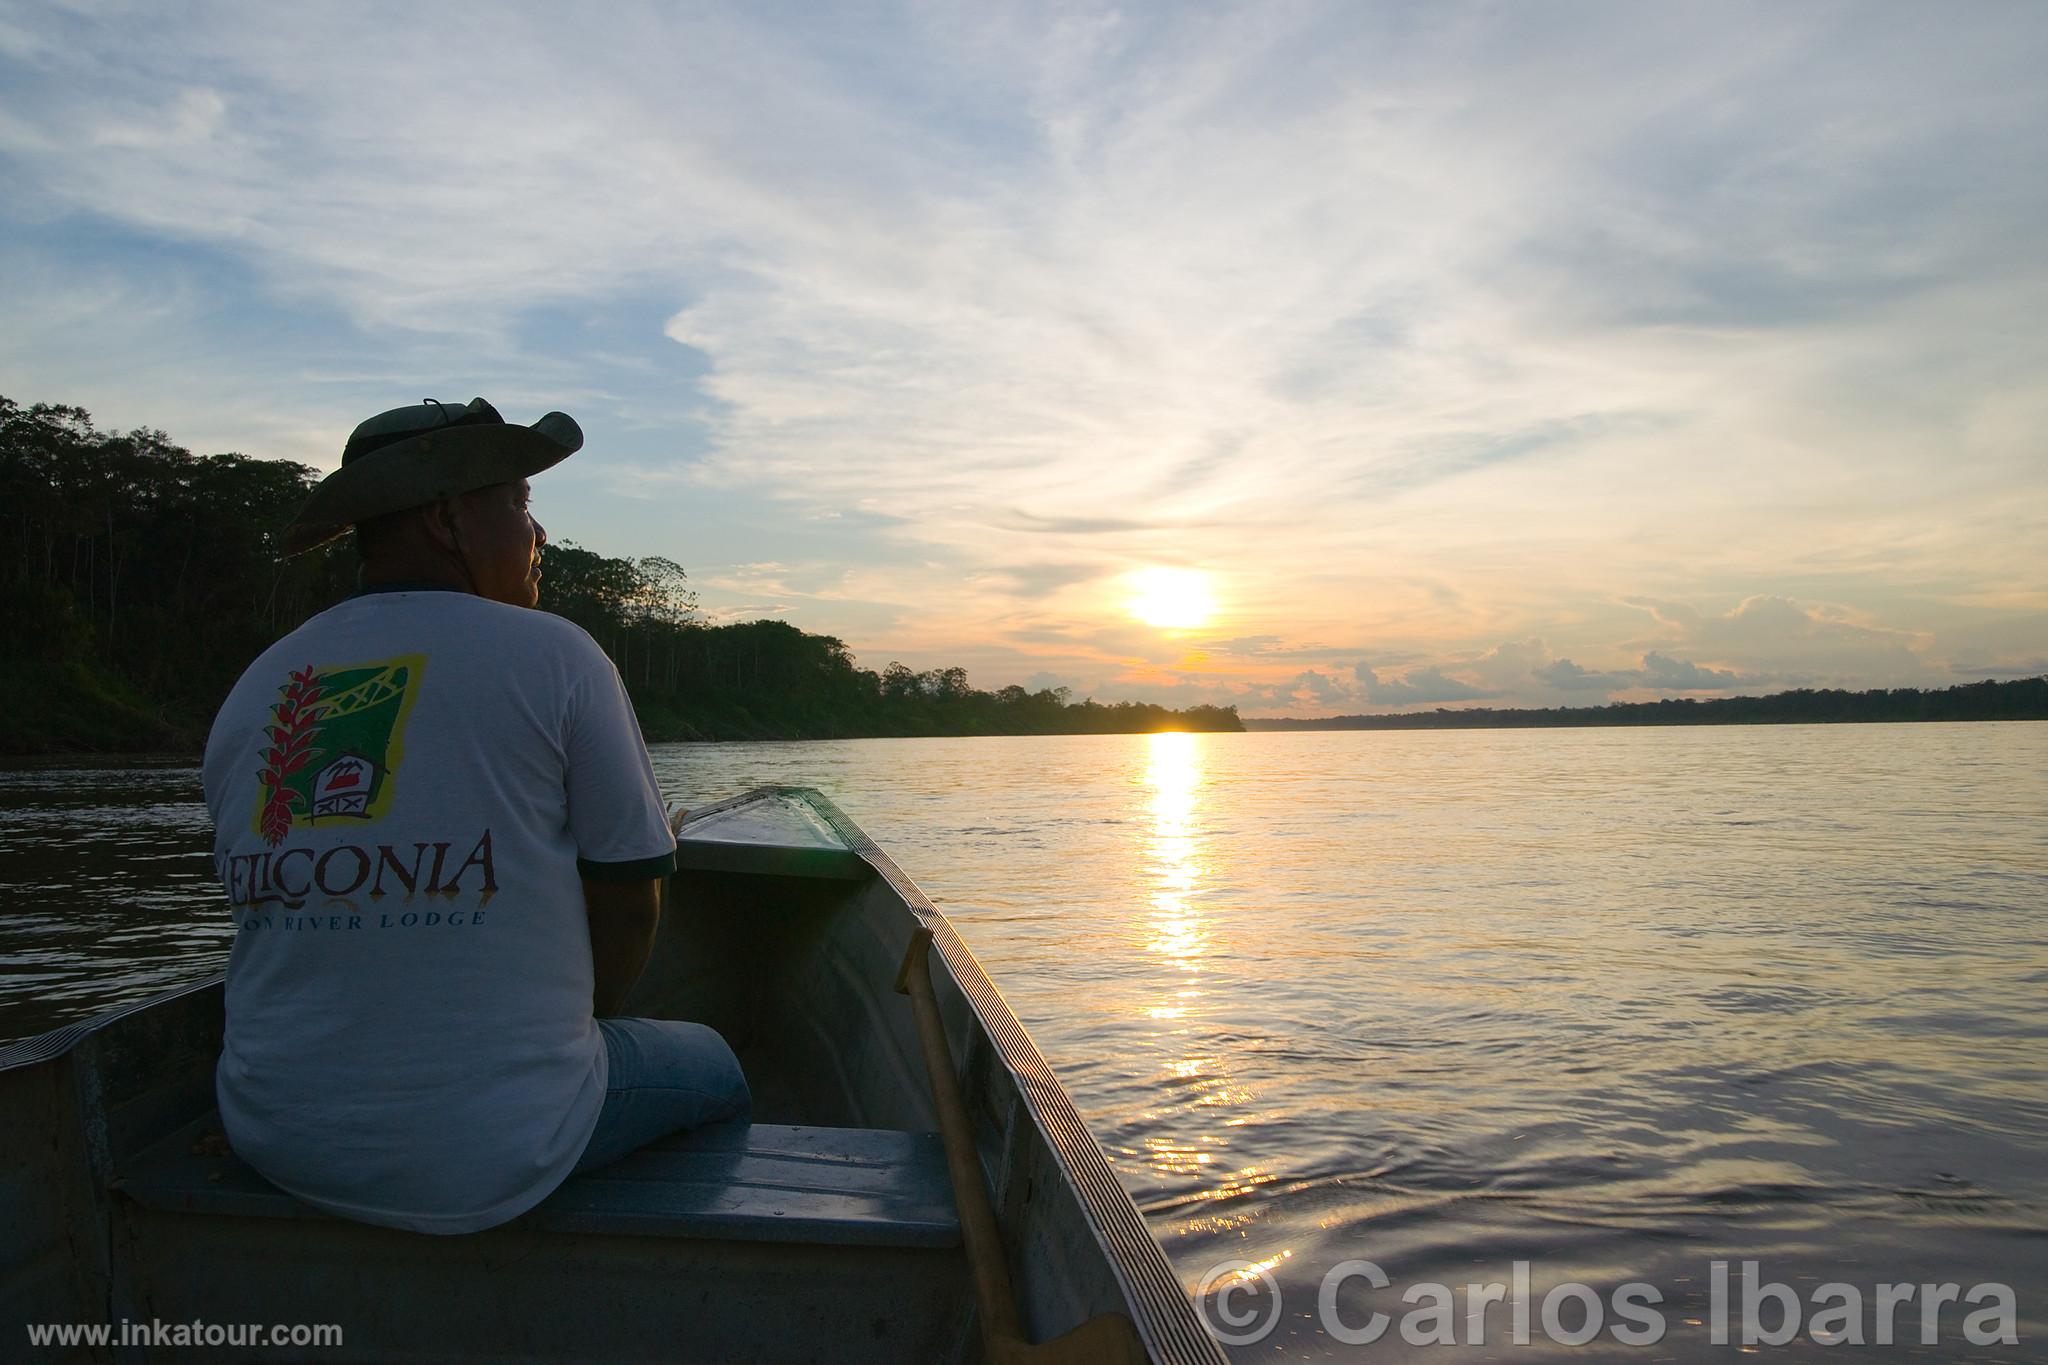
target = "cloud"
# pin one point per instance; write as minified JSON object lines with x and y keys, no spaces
{"x":1322,"y":689}
{"x":1247,"y":645}
{"x":1681,"y":675}
{"x":2027,"y":668}
{"x":1525,"y":672}
{"x":1076,"y":526}
{"x":1418,"y":685}
{"x":190,"y":117}
{"x":1424,"y":331}
{"x":1280,"y":648}
{"x":1776,"y":637}
{"x":766,"y":578}
{"x":744,"y":611}
{"x":1566,"y":676}
{"x":1032,"y":581}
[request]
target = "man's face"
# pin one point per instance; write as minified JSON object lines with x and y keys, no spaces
{"x":501,"y":542}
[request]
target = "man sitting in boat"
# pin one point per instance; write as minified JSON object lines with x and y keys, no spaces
{"x":443,"y":844}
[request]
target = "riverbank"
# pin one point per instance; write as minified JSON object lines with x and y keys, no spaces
{"x":51,"y":709}
{"x":2020,"y":699}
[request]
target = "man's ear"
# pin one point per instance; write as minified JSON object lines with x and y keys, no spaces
{"x":439,"y":519}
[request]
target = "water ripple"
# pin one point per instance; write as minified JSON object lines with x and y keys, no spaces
{"x":1613,"y":1001}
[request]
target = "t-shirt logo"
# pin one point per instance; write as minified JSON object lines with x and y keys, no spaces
{"x":335,"y":741}
{"x":343,"y":787}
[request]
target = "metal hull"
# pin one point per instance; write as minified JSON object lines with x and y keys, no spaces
{"x":784,"y":928}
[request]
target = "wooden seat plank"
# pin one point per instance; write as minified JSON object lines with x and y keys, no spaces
{"x":745,"y":1182}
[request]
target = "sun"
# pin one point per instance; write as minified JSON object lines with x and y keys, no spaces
{"x":1171,"y":599}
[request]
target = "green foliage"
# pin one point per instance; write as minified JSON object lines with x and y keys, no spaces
{"x":144,"y":570}
{"x":56,"y":706}
{"x":137,"y":581}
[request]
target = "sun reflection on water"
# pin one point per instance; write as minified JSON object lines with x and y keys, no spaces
{"x":1174,"y":773}
{"x":1179,"y":934}
{"x":1197,"y":1158}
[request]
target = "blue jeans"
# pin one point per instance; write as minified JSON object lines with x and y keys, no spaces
{"x":666,"y":1075}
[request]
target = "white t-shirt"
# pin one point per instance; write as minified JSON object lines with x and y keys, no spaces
{"x":405,"y":791}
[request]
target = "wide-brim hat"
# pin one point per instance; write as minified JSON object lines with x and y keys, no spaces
{"x":413,"y":457}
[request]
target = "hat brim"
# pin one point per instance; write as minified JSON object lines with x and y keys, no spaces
{"x":425,"y":469}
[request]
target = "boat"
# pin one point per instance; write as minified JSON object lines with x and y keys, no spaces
{"x":915,"y":1184}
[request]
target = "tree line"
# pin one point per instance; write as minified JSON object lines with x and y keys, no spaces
{"x":2020,"y":699}
{"x":138,"y":579}
{"x":767,"y":679}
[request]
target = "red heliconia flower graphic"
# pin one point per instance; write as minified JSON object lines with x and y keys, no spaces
{"x":291,"y":748}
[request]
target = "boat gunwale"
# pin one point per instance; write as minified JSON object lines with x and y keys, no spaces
{"x":1165,"y":1318}
{"x":48,"y":1047}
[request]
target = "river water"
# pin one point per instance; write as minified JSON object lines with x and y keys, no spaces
{"x":1616,"y":1003}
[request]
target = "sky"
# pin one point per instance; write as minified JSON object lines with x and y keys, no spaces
{"x":1392,"y":356}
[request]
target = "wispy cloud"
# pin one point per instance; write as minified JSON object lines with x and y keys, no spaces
{"x":1425,"y":329}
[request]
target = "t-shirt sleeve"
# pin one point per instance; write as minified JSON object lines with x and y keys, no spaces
{"x":615,"y":809}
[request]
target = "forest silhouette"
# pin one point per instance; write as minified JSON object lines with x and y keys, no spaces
{"x":2018,"y":699}
{"x":138,"y":580}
